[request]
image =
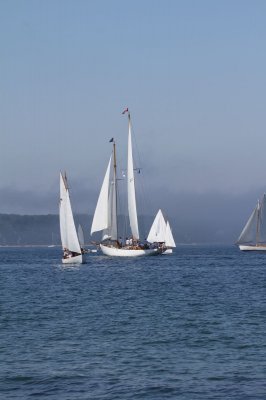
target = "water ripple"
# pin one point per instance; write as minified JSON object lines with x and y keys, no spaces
{"x":186,"y":326}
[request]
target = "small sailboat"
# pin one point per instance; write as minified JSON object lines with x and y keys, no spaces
{"x":253,"y":236}
{"x":161,"y":233}
{"x":105,"y":216}
{"x":158,"y":228}
{"x":169,"y":239}
{"x":72,"y":253}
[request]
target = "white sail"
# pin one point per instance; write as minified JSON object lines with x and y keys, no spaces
{"x":261,"y":237}
{"x":81,"y":236}
{"x":62,"y":212}
{"x":101,"y":218}
{"x":169,"y":239}
{"x":111,"y":231}
{"x":106,"y":234}
{"x":132,"y":207}
{"x":158,"y":229}
{"x":113,"y":219}
{"x":68,"y":231}
{"x":249,"y":232}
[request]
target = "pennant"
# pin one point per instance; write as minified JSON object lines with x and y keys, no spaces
{"x":111,"y":140}
{"x":126,"y":110}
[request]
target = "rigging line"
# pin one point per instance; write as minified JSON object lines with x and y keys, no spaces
{"x":146,"y":204}
{"x":122,"y":216}
{"x":122,"y":221}
{"x":138,"y":182}
{"x":121,"y":197}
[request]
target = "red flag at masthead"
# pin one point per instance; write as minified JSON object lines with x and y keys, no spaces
{"x":126,"y":110}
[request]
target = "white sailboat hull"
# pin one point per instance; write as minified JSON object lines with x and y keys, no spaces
{"x":168,"y":251}
{"x":80,"y":259}
{"x":243,"y":247}
{"x":116,"y":252}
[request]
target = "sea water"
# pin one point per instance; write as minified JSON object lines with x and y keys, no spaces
{"x":190,"y":325}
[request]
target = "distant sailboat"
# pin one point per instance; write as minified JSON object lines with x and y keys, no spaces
{"x":158,"y":228}
{"x":253,"y":236}
{"x":105,"y":216}
{"x":72,"y":253}
{"x":161,"y":232}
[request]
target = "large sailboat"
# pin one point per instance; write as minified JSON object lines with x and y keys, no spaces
{"x":105,"y":216}
{"x":161,"y":233}
{"x":253,"y":236}
{"x":72,"y":252}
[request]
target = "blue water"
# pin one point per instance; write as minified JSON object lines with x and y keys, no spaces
{"x":185,"y":326}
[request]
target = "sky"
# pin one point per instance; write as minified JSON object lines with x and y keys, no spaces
{"x":191,"y":72}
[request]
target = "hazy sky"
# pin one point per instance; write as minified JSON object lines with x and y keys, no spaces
{"x":191,"y":72}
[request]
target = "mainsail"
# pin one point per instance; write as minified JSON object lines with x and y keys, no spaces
{"x":68,"y":231}
{"x":132,"y":207}
{"x":112,"y":227}
{"x":62,"y":211}
{"x":111,"y":231}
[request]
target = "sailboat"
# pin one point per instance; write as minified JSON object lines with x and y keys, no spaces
{"x":161,"y":233}
{"x":72,"y":253}
{"x":158,"y":228}
{"x":253,"y":236}
{"x":105,"y":215}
